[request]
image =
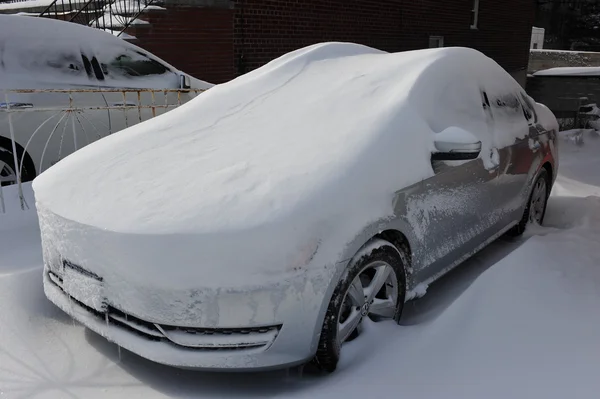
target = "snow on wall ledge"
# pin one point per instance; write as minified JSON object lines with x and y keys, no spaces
{"x":569,"y":71}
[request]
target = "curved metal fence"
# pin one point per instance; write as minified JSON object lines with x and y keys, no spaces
{"x":38,"y":128}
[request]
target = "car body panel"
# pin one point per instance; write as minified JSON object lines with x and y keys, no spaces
{"x":444,"y":219}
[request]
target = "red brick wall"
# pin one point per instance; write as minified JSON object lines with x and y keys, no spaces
{"x":196,"y":40}
{"x":503,"y":33}
{"x":266,"y":29}
{"x":215,"y":44}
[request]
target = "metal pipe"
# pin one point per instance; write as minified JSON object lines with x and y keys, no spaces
{"x":11,"y":129}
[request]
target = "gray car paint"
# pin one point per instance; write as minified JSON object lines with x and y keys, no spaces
{"x":469,"y":206}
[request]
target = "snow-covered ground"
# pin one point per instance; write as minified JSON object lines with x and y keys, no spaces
{"x":519,"y":320}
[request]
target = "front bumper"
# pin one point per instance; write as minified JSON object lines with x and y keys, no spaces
{"x":183,"y":300}
{"x":281,"y":344}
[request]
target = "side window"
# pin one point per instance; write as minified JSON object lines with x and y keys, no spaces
{"x":92,"y":67}
{"x":506,"y":106}
{"x":485,"y":100}
{"x":133,"y":64}
{"x":508,"y":103}
{"x":528,"y":108}
{"x":66,"y":64}
{"x":75,"y":65}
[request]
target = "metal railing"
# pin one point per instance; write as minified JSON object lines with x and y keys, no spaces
{"x":109,"y":15}
{"x":44,"y":126}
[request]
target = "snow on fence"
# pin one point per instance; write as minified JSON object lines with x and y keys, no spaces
{"x":40,"y":127}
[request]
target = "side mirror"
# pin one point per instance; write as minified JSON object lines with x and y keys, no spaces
{"x":184,"y":82}
{"x":455,"y":144}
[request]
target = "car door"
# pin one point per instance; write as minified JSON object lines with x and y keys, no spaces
{"x":453,"y":213}
{"x":517,"y":160}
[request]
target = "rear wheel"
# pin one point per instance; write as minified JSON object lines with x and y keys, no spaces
{"x":536,"y":206}
{"x":373,"y":287}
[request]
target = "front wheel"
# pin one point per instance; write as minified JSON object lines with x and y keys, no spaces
{"x":8,"y":171}
{"x":536,"y":206}
{"x":374,"y":286}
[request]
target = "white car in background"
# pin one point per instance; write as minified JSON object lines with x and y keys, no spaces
{"x":45,"y":54}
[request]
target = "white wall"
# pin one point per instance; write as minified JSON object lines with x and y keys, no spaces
{"x":537,"y":37}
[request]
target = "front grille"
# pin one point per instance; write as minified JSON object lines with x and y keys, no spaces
{"x":221,"y":331}
{"x":198,"y":338}
{"x":81,"y":270}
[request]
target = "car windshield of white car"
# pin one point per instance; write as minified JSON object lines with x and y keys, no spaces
{"x":133,"y":64}
{"x":65,"y":63}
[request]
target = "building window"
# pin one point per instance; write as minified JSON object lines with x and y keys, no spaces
{"x":475,"y":14}
{"x":436,"y":41}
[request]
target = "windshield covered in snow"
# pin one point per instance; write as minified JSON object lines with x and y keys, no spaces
{"x":75,"y":55}
{"x":133,"y":64}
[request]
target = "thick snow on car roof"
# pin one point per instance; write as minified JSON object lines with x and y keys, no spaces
{"x":331,"y":129}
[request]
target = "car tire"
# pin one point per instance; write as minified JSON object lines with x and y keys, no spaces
{"x":342,"y":309}
{"x":7,"y":164}
{"x":536,"y":204}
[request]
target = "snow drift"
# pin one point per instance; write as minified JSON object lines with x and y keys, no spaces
{"x":526,"y":328}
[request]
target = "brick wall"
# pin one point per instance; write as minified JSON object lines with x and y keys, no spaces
{"x":503,"y":30}
{"x":266,"y":29}
{"x":217,"y":42}
{"x":196,"y":40}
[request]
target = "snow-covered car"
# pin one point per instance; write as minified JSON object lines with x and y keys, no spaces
{"x":42,"y":54}
{"x":331,"y":185}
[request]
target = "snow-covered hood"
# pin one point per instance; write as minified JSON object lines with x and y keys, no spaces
{"x":320,"y":137}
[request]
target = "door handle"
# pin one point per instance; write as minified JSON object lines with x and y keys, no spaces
{"x":15,"y":105}
{"x":125,"y":104}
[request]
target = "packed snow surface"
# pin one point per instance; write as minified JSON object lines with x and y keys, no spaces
{"x":520,"y":320}
{"x":569,"y":71}
{"x":295,"y":137}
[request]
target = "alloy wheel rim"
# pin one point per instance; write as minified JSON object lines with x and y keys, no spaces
{"x":7,"y":173}
{"x":374,"y":291}
{"x":538,"y":202}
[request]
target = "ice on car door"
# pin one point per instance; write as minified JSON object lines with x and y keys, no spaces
{"x":514,"y":132}
{"x":454,"y":214}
